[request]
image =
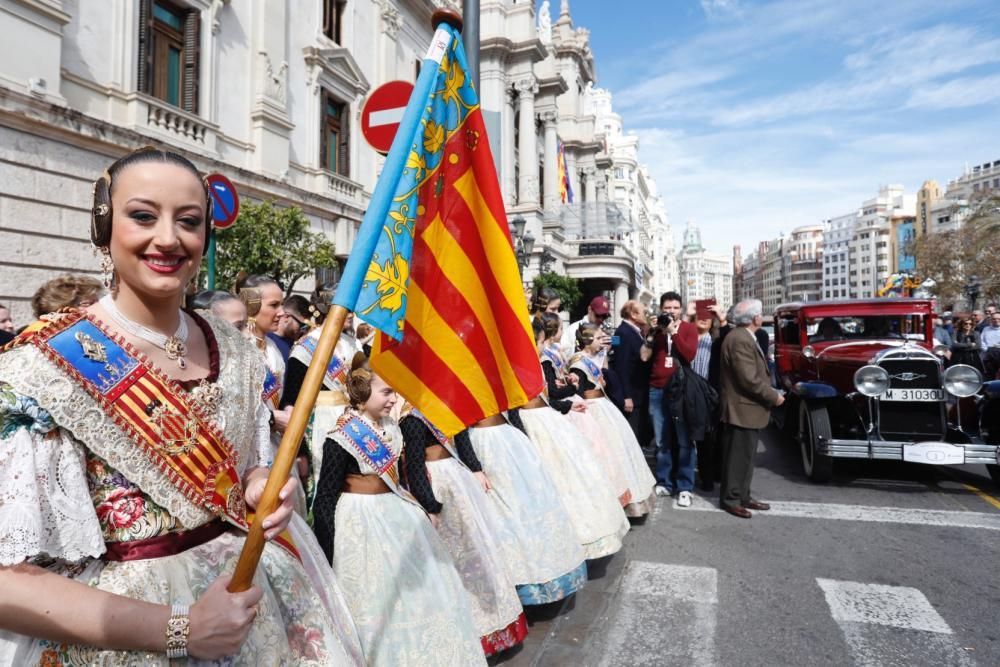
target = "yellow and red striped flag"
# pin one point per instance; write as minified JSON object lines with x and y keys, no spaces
{"x":434,"y":268}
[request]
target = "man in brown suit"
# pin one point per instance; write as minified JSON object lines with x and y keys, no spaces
{"x":746,"y":402}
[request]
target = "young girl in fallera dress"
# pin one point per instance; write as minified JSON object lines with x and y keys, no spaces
{"x":400,"y":583}
{"x":130,"y":439}
{"x":586,"y":493}
{"x":564,"y":396}
{"x":587,"y":366}
{"x":447,"y":479}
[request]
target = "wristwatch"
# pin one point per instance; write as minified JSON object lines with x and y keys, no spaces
{"x":178,"y":629}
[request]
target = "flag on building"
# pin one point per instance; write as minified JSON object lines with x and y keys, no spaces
{"x":433,"y":268}
{"x":565,"y":186}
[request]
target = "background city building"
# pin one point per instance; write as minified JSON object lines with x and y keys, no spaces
{"x":804,"y":264}
{"x":703,"y":274}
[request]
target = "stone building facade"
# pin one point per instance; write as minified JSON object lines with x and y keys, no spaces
{"x":278,"y":111}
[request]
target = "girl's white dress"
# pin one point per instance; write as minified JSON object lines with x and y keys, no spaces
{"x":542,"y":552}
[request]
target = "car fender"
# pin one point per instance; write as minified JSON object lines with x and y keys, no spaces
{"x":991,"y":388}
{"x":814,"y":390}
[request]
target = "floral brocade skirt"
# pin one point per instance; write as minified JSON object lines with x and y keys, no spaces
{"x":401,"y":585}
{"x":620,"y":438}
{"x":542,"y":546}
{"x":584,"y":489}
{"x":471,"y":530}
{"x":302,"y":618}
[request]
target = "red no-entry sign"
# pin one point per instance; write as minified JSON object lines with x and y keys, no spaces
{"x":382,"y":112}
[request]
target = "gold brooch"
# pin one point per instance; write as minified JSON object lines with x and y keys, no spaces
{"x":91,"y":348}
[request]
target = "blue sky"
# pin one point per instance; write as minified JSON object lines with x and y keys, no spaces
{"x":757,"y":116}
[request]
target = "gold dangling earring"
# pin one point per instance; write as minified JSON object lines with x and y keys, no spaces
{"x":107,"y":268}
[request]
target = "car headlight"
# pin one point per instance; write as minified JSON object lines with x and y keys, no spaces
{"x":808,"y":352}
{"x":941,"y":350}
{"x":871,"y":380}
{"x":962,"y":380}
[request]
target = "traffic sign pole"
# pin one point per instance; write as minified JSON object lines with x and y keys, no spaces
{"x":211,"y":260}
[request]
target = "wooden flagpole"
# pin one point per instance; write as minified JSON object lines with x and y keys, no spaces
{"x":289,"y":448}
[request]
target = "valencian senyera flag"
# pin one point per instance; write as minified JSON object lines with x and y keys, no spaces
{"x":433,"y":268}
{"x":565,"y":187}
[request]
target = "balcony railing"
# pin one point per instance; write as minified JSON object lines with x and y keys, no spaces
{"x":187,"y":127}
{"x":342,"y":187}
{"x":593,"y":220}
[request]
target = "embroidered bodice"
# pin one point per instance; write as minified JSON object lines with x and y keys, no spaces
{"x":74,"y":475}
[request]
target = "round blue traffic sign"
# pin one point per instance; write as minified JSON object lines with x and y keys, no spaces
{"x":225,"y":200}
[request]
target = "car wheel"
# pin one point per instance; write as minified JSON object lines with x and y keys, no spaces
{"x":814,"y":425}
{"x":994,"y":471}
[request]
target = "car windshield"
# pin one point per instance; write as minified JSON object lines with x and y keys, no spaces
{"x":865,"y":327}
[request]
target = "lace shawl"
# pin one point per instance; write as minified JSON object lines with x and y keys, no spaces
{"x":48,"y":421}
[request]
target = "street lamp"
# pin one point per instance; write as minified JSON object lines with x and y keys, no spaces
{"x":972,"y":287}
{"x":524,"y":242}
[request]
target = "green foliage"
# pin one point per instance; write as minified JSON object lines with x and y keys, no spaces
{"x":271,"y":241}
{"x":950,"y":258}
{"x":568,"y":288}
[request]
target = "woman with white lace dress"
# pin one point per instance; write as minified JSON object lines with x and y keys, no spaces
{"x":131,"y":435}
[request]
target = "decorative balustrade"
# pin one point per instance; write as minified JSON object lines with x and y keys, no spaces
{"x":171,"y":119}
{"x":342,"y":187}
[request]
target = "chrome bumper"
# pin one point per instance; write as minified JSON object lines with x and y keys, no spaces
{"x":892,"y":450}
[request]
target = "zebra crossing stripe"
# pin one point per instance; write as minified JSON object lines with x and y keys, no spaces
{"x":891,"y":625}
{"x":867,"y":513}
{"x":682,"y":598}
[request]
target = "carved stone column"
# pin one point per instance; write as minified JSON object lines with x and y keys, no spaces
{"x":621,"y":296}
{"x":527,"y":188}
{"x":549,"y":119}
{"x":392,"y":22}
{"x":588,"y":213}
{"x":508,"y":152}
{"x":574,"y":176}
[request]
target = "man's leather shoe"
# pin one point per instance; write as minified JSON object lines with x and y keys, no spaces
{"x":757,"y":505}
{"x":738,"y":511}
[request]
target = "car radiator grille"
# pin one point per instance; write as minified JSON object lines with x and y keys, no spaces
{"x":912,"y":420}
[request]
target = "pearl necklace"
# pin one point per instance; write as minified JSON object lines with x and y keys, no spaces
{"x":175,"y":347}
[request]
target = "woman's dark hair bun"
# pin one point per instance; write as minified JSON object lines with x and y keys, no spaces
{"x":551,"y":324}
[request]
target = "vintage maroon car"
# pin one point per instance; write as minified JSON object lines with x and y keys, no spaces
{"x":865,"y":381}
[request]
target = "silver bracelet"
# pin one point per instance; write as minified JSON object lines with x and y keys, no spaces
{"x":178,"y":629}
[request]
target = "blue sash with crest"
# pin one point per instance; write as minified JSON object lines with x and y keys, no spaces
{"x":587,"y":365}
{"x":337,"y":367}
{"x":551,"y":355}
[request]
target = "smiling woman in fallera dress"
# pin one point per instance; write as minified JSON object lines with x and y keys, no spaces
{"x":130,"y":440}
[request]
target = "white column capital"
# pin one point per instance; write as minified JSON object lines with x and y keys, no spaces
{"x":549,"y":117}
{"x":527,"y":86}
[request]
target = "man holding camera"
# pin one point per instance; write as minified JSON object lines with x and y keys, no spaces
{"x":672,"y":342}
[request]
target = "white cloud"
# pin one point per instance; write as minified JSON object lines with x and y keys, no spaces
{"x":720,"y":8}
{"x":957,"y":93}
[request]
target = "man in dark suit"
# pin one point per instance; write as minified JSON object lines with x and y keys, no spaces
{"x":631,"y":370}
{"x":746,"y":401}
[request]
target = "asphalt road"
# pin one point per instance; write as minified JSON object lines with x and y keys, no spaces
{"x":889,"y":564}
